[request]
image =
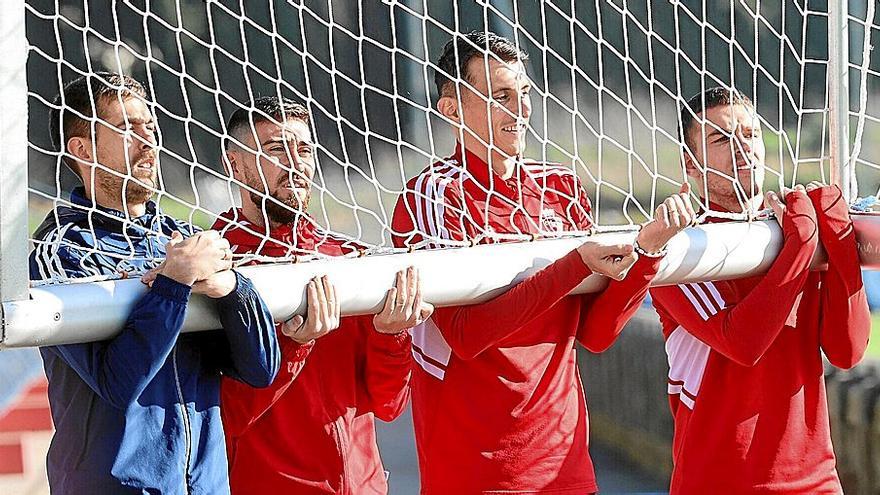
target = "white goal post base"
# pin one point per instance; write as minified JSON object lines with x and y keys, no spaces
{"x":82,"y":312}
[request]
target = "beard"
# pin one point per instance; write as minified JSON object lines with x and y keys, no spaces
{"x":282,"y":210}
{"x":138,"y":188}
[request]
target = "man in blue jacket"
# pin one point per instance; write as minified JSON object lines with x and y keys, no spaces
{"x":139,"y":413}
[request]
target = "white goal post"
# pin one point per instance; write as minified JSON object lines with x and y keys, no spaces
{"x":607,"y":92}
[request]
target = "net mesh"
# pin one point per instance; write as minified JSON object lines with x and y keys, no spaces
{"x":609,"y":78}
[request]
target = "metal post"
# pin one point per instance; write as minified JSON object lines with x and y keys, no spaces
{"x":13,"y":154}
{"x":83,"y":312}
{"x":842,"y":172}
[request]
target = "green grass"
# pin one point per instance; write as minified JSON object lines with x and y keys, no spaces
{"x":874,"y":344}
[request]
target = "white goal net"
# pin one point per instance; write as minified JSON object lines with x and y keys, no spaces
{"x":609,"y":79}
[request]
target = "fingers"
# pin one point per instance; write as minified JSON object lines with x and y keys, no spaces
{"x":773,"y":201}
{"x":406,"y":291}
{"x":290,"y":327}
{"x":176,"y":238}
{"x":332,"y":303}
{"x":613,"y":261}
{"x":813,"y":185}
{"x":615,"y":250}
{"x":210,"y":235}
{"x":684,"y":194}
{"x":685,"y":188}
{"x":313,"y":301}
{"x":661,"y":214}
{"x":684,"y":211}
{"x":404,"y":305}
{"x":675,"y":208}
{"x":390,"y":297}
{"x":323,"y":311}
{"x":417,"y":295}
{"x":618,"y":267}
{"x":425,"y":311}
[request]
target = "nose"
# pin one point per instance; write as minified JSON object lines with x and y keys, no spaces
{"x":147,"y":138}
{"x":299,"y":167}
{"x":744,"y":143}
{"x":526,"y":106}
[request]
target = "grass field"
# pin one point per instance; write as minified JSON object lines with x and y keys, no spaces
{"x":874,"y":344}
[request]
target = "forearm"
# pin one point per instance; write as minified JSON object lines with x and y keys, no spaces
{"x":248,"y":325}
{"x":746,"y":330}
{"x":604,"y":316}
{"x":466,"y":330}
{"x":388,"y":372}
{"x":243,"y":404}
{"x":845,"y":324}
{"x":119,"y":369}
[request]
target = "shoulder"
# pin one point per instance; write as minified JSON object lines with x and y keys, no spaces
{"x":66,"y":232}
{"x":554,"y":175}
{"x":703,"y":298}
{"x":333,"y":243}
{"x":170,"y":224}
{"x":550,"y":170}
{"x":63,"y":247}
{"x":434,"y":179}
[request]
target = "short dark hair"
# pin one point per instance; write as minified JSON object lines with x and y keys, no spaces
{"x":462,"y":48}
{"x":263,"y":109}
{"x":72,"y":108}
{"x":700,"y":102}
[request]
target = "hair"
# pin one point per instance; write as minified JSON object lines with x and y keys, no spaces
{"x":263,"y":109}
{"x":700,"y":102}
{"x":73,"y":107}
{"x":462,"y":48}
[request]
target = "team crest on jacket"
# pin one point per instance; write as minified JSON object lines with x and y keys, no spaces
{"x":550,"y":221}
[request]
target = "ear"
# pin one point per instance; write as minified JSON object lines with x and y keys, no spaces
{"x":448,"y":107}
{"x":691,"y":169}
{"x":80,"y":148}
{"x":229,"y":163}
{"x":228,"y":166}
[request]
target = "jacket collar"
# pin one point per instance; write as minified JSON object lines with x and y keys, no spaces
{"x":112,"y":219}
{"x":486,"y":178}
{"x":251,"y":236}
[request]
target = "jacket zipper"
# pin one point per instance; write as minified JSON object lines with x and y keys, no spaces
{"x":186,"y":425}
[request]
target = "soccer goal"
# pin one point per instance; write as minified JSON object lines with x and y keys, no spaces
{"x":609,"y":78}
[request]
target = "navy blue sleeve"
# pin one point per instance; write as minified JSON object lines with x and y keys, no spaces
{"x":119,"y":369}
{"x":254,"y":356}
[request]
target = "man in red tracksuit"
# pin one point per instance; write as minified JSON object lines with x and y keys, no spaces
{"x":498,"y":406}
{"x":745,"y":356}
{"x":312,"y":431}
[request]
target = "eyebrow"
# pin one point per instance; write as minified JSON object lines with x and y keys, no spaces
{"x":272,"y":140}
{"x":511,"y":88}
{"x":134,"y":120}
{"x":715,"y":130}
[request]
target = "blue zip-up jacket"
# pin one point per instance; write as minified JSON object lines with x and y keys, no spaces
{"x":140,"y":413}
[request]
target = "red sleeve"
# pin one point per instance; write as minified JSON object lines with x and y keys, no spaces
{"x":387,"y":372}
{"x":845,"y":323}
{"x":604,"y":314}
{"x":243,"y":405}
{"x":744,"y":331}
{"x":470,"y":330}
{"x":426,"y":211}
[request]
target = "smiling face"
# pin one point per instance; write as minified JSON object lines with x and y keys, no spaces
{"x":495,"y":112}
{"x":279,"y":164}
{"x":122,"y":161}
{"x":730,"y":170}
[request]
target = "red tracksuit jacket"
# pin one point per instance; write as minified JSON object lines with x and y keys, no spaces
{"x":498,"y":406}
{"x":745,"y":367}
{"x":312,"y":431}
